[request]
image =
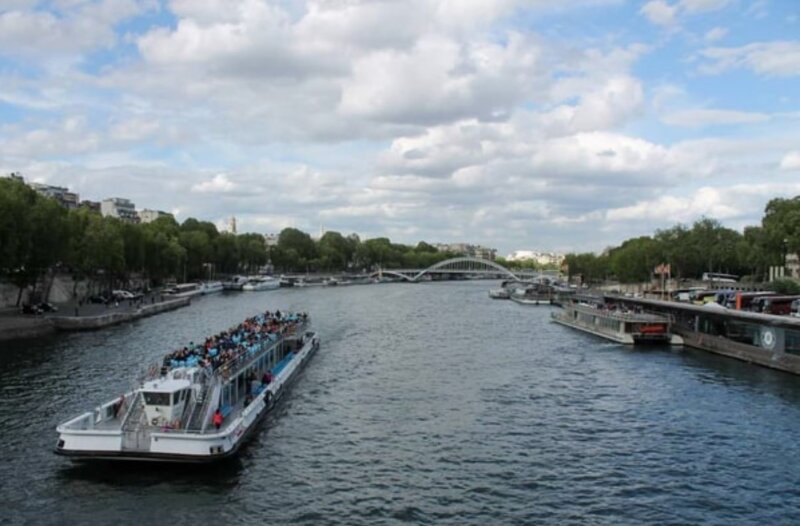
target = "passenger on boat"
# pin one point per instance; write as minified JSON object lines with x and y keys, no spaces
{"x":118,"y":405}
{"x":267,"y":378}
{"x":217,"y":420}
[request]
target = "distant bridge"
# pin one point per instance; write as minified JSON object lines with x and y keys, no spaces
{"x":461,"y":265}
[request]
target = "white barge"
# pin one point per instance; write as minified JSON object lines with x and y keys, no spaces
{"x":616,"y":324}
{"x":200,"y":404}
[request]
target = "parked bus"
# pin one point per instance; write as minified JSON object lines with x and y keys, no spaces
{"x":718,"y":277}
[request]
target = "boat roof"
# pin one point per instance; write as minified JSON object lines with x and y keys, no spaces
{"x":168,"y":385}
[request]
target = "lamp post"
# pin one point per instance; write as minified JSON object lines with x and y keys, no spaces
{"x":784,"y":250}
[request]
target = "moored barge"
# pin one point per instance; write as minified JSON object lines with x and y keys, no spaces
{"x":200,"y":404}
{"x":616,"y":324}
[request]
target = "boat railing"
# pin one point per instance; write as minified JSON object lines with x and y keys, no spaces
{"x":635,"y":317}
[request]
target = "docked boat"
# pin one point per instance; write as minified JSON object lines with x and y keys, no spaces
{"x":617,"y":324}
{"x":309,"y":282}
{"x":210,"y":287}
{"x":500,"y":294}
{"x":235,"y":283}
{"x":201,"y":403}
{"x":184,"y":290}
{"x":533,"y":294}
{"x":257,"y":283}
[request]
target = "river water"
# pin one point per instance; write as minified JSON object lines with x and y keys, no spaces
{"x":427,"y":404}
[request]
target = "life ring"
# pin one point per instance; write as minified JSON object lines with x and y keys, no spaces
{"x":154,"y":421}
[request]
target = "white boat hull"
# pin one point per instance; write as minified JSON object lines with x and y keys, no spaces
{"x":95,"y":443}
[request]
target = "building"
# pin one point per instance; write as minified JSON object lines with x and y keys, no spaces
{"x":465,"y":249}
{"x":64,"y":197}
{"x":91,"y":205}
{"x":792,"y":266}
{"x":120,"y":208}
{"x":541,"y":258}
{"x":148,"y":216}
{"x":271,"y":240}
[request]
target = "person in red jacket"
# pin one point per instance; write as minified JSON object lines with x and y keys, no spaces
{"x":217,"y":420}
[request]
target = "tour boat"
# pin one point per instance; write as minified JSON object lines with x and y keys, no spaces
{"x":201,"y":403}
{"x":261,"y":283}
{"x":616,"y":324}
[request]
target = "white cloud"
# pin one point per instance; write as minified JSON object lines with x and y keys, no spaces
{"x":696,"y":118}
{"x":81,"y":28}
{"x":220,"y":184}
{"x":706,"y":201}
{"x":715,"y":34}
{"x":702,"y":6}
{"x":660,"y":12}
{"x":791,"y":161}
{"x":779,"y":59}
{"x":668,"y":15}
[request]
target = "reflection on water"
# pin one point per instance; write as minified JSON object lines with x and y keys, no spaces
{"x":427,"y":404}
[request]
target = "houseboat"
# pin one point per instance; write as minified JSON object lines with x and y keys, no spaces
{"x":617,"y":324}
{"x":199,"y":404}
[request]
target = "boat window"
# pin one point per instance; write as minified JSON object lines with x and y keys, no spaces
{"x":156,"y":398}
{"x":176,"y":397}
{"x":793,"y":342}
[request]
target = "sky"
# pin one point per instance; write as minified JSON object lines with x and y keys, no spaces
{"x":515,"y":124}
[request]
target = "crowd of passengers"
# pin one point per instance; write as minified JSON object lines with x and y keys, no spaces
{"x":227,"y":346}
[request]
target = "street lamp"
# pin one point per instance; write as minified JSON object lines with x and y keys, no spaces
{"x":784,"y":250}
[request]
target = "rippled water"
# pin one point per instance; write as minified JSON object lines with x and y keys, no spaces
{"x":427,"y":404}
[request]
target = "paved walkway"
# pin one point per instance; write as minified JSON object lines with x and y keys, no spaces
{"x":14,"y":325}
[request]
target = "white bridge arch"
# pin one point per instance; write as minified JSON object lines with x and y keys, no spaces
{"x":460,"y":265}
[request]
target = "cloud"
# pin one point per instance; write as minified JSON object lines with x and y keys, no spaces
{"x":791,"y":161}
{"x":715,"y":34}
{"x":660,"y":12}
{"x":775,"y":59}
{"x":697,"y":118}
{"x":668,"y":15}
{"x":220,"y":184}
{"x":80,"y":28}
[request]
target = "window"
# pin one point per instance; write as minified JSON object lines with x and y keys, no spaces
{"x":156,"y":398}
{"x":793,"y":342}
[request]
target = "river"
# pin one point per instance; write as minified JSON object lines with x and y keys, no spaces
{"x":427,"y":404}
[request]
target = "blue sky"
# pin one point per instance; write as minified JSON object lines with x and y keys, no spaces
{"x":508,"y":123}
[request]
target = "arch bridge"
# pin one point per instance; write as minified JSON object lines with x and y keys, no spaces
{"x":460,"y":265}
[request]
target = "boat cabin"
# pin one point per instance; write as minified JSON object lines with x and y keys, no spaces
{"x":165,"y":400}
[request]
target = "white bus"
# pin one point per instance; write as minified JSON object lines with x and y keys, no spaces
{"x":718,"y":277}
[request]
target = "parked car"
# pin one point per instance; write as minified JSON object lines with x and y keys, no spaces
{"x":122,"y":295}
{"x":97,"y":298}
{"x":47,"y":307}
{"x":31,"y":309}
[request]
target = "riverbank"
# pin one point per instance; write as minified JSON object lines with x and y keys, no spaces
{"x":15,"y":326}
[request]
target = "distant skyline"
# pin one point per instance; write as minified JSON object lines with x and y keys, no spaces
{"x":511,"y":124}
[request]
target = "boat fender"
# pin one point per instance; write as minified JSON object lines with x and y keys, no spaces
{"x":268,"y":398}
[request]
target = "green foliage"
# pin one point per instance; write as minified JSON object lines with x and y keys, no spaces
{"x":785,"y":286}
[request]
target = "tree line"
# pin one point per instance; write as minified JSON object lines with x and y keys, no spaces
{"x":706,"y":246}
{"x":38,"y":235}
